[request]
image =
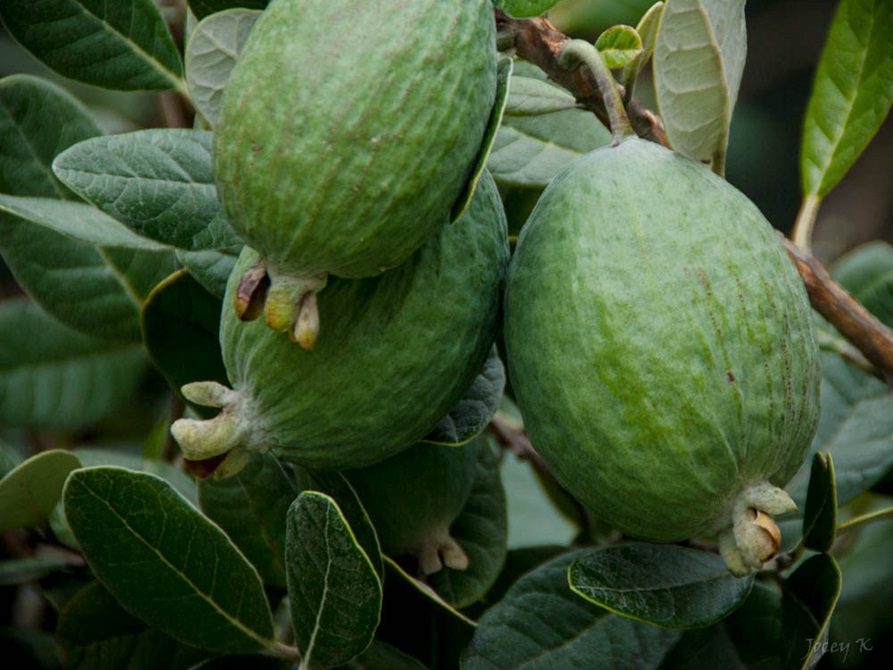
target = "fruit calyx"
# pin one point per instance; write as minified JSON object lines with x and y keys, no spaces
{"x":288,"y":303}
{"x":754,"y":537}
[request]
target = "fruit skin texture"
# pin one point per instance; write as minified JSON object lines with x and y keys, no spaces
{"x":413,"y":516}
{"x":347,"y":130}
{"x":662,"y":348}
{"x":399,"y":352}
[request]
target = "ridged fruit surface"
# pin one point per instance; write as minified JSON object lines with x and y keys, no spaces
{"x":661,"y":346}
{"x":413,"y":498}
{"x":399,"y":351}
{"x":348,"y":129}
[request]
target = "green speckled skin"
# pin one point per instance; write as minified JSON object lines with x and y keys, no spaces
{"x":396,"y":351}
{"x":348,"y":129}
{"x":660,"y":342}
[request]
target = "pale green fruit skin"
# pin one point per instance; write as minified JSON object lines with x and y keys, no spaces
{"x":396,"y":351}
{"x":412,"y":498}
{"x":348,"y":129}
{"x":660,"y":342}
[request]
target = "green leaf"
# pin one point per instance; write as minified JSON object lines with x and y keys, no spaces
{"x":524,"y":8}
{"x":481,"y":530}
{"x":531,"y":151}
{"x":97,"y":291}
{"x":473,"y":412}
{"x":335,"y":593}
{"x":867,"y":273}
{"x":820,"y":515}
{"x":252,"y":507}
{"x":530,"y":96}
{"x":203,"y":8}
{"x":180,"y":324}
{"x":94,"y":632}
{"x":749,"y":638}
{"x":157,"y":182}
{"x":165,"y":562}
{"x":54,"y":377}
{"x":699,"y":57}
{"x":647,"y":31}
{"x":808,"y":599}
{"x":29,"y":493}
{"x":855,"y":427}
{"x":76,"y":220}
{"x":244,"y":662}
{"x":852,"y":93}
{"x":120,"y":45}
{"x":665,"y":585}
{"x":211,"y":54}
{"x":210,"y":268}
{"x":540,"y":624}
{"x":620,"y":46}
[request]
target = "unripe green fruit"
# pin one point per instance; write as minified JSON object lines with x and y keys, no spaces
{"x":401,"y":350}
{"x":347,"y":131}
{"x":662,"y":350}
{"x":414,"y":497}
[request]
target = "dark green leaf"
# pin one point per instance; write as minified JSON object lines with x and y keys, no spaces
{"x":524,"y":8}
{"x":473,"y":412}
{"x":530,"y":96}
{"x":165,"y":562}
{"x":252,"y":507}
{"x":382,"y":656}
{"x":698,"y":60}
{"x":851,"y":95}
{"x":120,"y":45}
{"x":665,"y":585}
{"x":203,"y":8}
{"x":10,"y":458}
{"x":620,"y":46}
{"x":211,"y":269}
{"x":29,"y":493}
{"x":211,"y":53}
{"x":244,"y":662}
{"x":334,"y":591}
{"x":808,"y":600}
{"x":481,"y":530}
{"x":96,"y":633}
{"x":820,"y":515}
{"x":867,"y":273}
{"x":180,"y":323}
{"x":541,"y":624}
{"x":157,"y":182}
{"x":54,"y":377}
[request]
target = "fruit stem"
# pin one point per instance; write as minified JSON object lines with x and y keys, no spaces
{"x":581,"y":52}
{"x":803,"y":226}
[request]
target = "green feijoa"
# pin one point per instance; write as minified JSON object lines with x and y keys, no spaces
{"x":346,"y":132}
{"x":662,"y":350}
{"x":399,"y":351}
{"x":413,"y":498}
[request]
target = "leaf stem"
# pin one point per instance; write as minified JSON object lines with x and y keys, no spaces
{"x":803,"y":226}
{"x":581,"y":52}
{"x":284,"y":651}
{"x":878,"y":515}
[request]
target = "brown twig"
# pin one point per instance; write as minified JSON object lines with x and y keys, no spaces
{"x":538,"y":41}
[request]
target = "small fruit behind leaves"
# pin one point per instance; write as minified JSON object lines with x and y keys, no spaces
{"x":347,"y":132}
{"x":662,"y":349}
{"x":402,"y":349}
{"x":414,"y":497}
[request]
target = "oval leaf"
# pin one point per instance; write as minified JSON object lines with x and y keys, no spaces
{"x":31,"y":491}
{"x":120,"y":45}
{"x":867,"y":273}
{"x":665,"y":585}
{"x":157,"y":182}
{"x":851,"y":95}
{"x":820,"y":515}
{"x":165,"y":562}
{"x":525,"y":8}
{"x":541,"y":623}
{"x":620,"y":46}
{"x":95,"y":632}
{"x":252,"y":507}
{"x":210,"y":268}
{"x":647,"y":31}
{"x":211,"y":54}
{"x":473,"y":412}
{"x":808,"y":599}
{"x":334,"y":591}
{"x":180,"y":324}
{"x":699,"y":57}
{"x":54,"y":377}
{"x":529,"y":96}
